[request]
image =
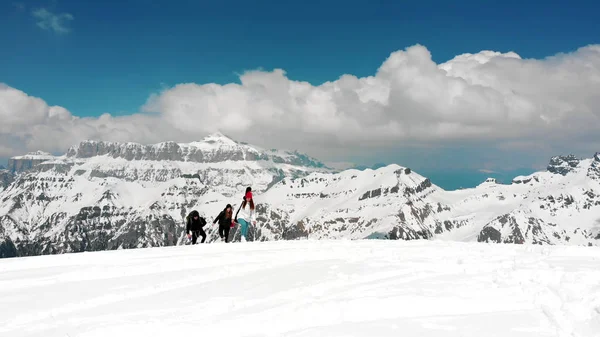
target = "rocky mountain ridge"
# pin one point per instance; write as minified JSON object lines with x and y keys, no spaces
{"x":22,"y":163}
{"x":214,"y":148}
{"x":102,"y":195}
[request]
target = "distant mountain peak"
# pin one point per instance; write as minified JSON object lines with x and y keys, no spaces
{"x":490,"y":180}
{"x":219,"y":136}
{"x":215,"y":147}
{"x":35,"y":155}
{"x":563,"y":164}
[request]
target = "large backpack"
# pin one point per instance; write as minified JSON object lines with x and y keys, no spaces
{"x":200,"y":218}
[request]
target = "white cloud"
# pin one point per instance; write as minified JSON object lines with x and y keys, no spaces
{"x":486,"y":99}
{"x":486,"y":96}
{"x":28,"y":124}
{"x":50,"y":21}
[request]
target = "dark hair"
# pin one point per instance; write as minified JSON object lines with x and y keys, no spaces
{"x":194,"y":213}
{"x":251,"y":203}
{"x":245,"y":201}
{"x":248,"y":189}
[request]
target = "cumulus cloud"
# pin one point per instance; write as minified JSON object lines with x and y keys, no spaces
{"x":29,"y":123}
{"x":492,"y":98}
{"x":488,"y":96}
{"x":50,"y":21}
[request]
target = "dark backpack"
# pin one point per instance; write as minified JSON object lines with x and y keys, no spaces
{"x":202,"y":220}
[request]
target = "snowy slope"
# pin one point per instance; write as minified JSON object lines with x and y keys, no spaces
{"x":306,"y":288}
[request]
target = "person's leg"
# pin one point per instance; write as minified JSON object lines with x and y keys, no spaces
{"x":221,"y":231}
{"x":194,"y":237}
{"x":244,"y":227}
{"x":203,"y":234}
{"x":226,"y":233}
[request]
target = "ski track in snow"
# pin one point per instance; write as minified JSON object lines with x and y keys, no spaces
{"x":306,"y":288}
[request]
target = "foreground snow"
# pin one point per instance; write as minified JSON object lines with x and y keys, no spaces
{"x":306,"y":288}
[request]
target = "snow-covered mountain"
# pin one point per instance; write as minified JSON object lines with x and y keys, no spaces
{"x":558,"y":206}
{"x":390,"y":202}
{"x":103,"y":195}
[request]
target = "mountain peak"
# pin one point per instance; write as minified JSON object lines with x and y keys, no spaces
{"x":39,"y":155}
{"x":563,"y":164}
{"x":489,"y":181}
{"x":218,"y":137}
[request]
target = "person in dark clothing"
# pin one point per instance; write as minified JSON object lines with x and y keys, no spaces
{"x":193,"y":228}
{"x":225,"y":222}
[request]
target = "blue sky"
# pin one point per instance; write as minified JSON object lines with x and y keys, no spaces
{"x":119,"y":52}
{"x":111,"y":56}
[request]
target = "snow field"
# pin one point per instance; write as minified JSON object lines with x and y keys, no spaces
{"x":306,"y":288}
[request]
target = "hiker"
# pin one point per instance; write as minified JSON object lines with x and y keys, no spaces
{"x":225,"y":219}
{"x":194,"y":224}
{"x":247,"y":213}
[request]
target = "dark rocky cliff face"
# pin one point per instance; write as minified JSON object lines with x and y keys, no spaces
{"x":95,"y":230}
{"x":594,"y":169}
{"x":23,"y":163}
{"x":6,"y":178}
{"x":20,"y":165}
{"x":563,"y":164}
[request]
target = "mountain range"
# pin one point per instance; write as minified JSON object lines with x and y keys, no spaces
{"x":106,"y":195}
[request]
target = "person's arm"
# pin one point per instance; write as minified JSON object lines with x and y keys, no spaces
{"x":238,"y":211}
{"x":187,"y":226}
{"x":219,"y":217}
